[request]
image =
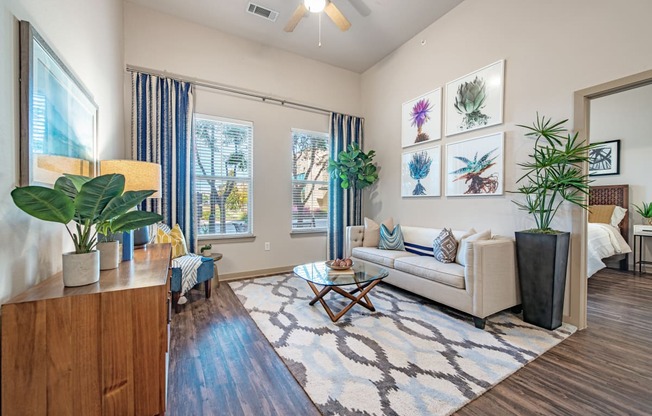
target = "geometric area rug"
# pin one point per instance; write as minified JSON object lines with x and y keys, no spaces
{"x":410,"y":357}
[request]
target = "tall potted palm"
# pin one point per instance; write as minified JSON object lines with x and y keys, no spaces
{"x":553,"y":175}
{"x":88,"y":203}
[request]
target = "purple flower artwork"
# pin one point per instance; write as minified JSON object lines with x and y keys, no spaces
{"x":422,"y":119}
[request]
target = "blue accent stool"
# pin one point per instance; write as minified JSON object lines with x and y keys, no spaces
{"x":127,"y":245}
{"x":204,"y":275}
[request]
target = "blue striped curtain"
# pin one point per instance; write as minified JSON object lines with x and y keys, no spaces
{"x":344,"y":206}
{"x":161,"y":132}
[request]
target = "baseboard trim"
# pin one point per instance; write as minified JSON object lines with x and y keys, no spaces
{"x":229,"y":277}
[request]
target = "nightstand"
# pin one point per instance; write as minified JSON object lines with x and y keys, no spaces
{"x":640,"y":232}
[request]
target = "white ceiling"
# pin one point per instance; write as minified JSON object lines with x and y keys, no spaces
{"x":378,"y":27}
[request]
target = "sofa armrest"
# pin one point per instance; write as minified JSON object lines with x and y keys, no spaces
{"x":353,"y":238}
{"x":491,"y":275}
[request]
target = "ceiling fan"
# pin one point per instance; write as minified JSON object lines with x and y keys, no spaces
{"x":317,"y":6}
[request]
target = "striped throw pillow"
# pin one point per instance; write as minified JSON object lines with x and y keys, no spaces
{"x":444,"y":247}
{"x":391,"y":240}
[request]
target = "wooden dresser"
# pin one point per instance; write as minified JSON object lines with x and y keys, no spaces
{"x":90,"y":350}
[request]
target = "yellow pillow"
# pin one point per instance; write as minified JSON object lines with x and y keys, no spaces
{"x":176,"y":238}
{"x":601,"y":213}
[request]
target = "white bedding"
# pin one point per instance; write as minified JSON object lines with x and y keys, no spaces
{"x":604,"y":240}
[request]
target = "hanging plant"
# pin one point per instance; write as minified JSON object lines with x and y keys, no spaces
{"x":354,"y":167}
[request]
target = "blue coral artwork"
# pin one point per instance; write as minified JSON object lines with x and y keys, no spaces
{"x":421,"y":172}
{"x":475,"y":166}
{"x":421,"y":119}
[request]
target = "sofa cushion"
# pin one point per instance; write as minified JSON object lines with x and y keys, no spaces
{"x":451,"y":274}
{"x":464,"y":246}
{"x":381,"y":257}
{"x":444,"y":247}
{"x":391,"y":239}
{"x":372,"y":231}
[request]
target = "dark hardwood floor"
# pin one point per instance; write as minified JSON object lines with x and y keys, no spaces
{"x":220,"y":363}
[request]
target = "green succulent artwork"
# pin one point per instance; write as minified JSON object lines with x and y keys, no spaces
{"x":469,"y":100}
{"x":472,"y":172}
{"x":419,"y":169}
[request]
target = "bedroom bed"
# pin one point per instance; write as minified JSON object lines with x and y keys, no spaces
{"x":608,"y":228}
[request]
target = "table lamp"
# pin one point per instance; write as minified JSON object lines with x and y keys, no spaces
{"x":139,"y":176}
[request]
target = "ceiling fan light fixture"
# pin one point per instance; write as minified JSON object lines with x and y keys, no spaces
{"x":315,"y":6}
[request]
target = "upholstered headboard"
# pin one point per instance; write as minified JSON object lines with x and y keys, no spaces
{"x":613,"y":195}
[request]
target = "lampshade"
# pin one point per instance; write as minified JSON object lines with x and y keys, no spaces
{"x":315,"y":6}
{"x":138,"y":175}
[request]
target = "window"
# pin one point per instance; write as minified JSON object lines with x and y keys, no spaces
{"x":309,"y":181}
{"x":223,"y":179}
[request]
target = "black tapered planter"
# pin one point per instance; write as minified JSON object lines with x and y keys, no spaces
{"x":542,"y":261}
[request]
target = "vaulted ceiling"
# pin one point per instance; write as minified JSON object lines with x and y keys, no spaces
{"x":377,"y":26}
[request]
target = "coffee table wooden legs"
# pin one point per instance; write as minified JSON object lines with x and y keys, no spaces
{"x":363,"y":289}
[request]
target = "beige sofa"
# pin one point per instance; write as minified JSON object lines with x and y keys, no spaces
{"x":486,"y":284}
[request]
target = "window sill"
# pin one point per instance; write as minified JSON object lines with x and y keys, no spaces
{"x":217,"y":237}
{"x":304,"y":232}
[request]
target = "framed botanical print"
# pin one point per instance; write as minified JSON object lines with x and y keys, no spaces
{"x":475,"y":166}
{"x":421,"y":172}
{"x":604,"y":158}
{"x":421,"y":119}
{"x":475,"y":101}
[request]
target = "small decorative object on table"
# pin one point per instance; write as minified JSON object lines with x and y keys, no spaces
{"x":645,"y":211}
{"x":206,"y":250}
{"x":339,"y":264}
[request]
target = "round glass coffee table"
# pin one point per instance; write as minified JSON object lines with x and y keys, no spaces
{"x":363,"y":276}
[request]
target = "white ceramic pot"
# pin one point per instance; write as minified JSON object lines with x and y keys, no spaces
{"x":81,"y":269}
{"x":206,"y":253}
{"x":109,"y":255}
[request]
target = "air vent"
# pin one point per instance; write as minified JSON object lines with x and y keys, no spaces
{"x":262,"y":12}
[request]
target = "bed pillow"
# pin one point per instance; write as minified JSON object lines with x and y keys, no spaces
{"x":618,"y":215}
{"x":391,"y":240}
{"x":601,"y":213}
{"x":371,"y":236}
{"x":174,"y":237}
{"x":444,"y":247}
{"x":463,"y":248}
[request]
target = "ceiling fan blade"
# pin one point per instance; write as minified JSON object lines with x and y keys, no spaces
{"x":337,"y":17}
{"x":361,"y":7}
{"x":296,"y":18}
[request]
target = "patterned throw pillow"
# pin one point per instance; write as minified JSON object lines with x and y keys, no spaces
{"x":391,"y":240}
{"x":444,"y":247}
{"x":174,"y":237}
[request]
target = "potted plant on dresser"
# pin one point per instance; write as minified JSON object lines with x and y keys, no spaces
{"x":552,"y":176}
{"x":88,"y":202}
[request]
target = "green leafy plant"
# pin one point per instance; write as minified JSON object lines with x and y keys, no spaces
{"x":645,"y":211}
{"x":354,"y":167}
{"x":89,"y":202}
{"x":554,"y":173}
{"x":206,"y":247}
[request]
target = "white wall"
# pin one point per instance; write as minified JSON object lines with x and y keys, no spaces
{"x":551,"y":49}
{"x":627,"y":116}
{"x":88,"y":37}
{"x":165,"y":43}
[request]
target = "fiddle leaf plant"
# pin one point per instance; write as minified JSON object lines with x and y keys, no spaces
{"x":554,"y":172}
{"x":94,"y":204}
{"x":354,"y":167}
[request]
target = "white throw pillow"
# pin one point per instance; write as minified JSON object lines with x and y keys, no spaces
{"x":371,"y":236}
{"x":618,"y":215}
{"x":464,"y":246}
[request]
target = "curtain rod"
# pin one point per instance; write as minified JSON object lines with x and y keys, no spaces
{"x":232,"y":90}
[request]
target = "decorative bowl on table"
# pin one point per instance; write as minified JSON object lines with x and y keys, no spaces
{"x":330,"y":265}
